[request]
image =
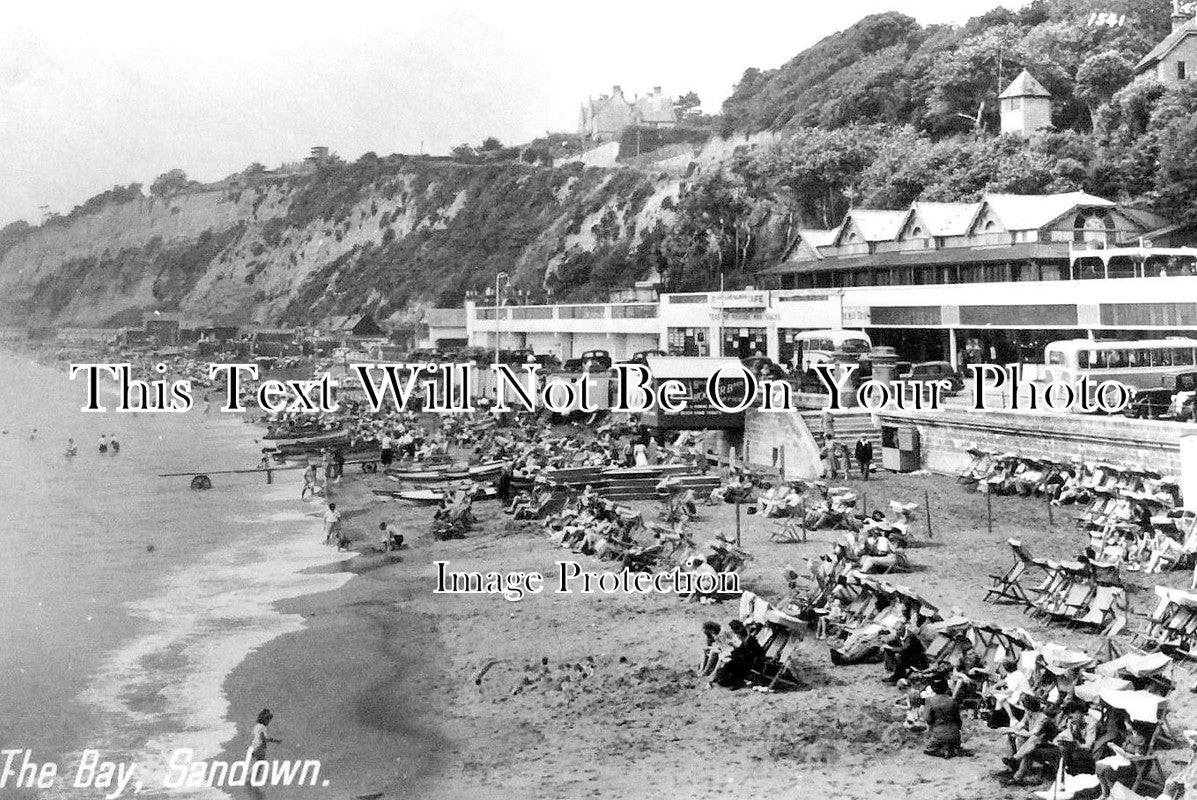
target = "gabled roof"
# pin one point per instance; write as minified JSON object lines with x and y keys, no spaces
{"x":1024,"y":212}
{"x":341,"y":322}
{"x":946,"y":219}
{"x":1025,"y":85}
{"x":875,"y":225}
{"x":812,"y":239}
{"x":656,"y":108}
{"x":1169,"y":44}
{"x":818,"y":237}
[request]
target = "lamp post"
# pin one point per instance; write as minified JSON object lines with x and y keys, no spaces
{"x":501,"y":277}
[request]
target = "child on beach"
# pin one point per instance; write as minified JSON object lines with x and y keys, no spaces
{"x":835,"y":616}
{"x":392,"y":539}
{"x":332,"y":523}
{"x":261,"y":737}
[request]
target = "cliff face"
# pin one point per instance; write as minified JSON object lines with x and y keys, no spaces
{"x":377,"y":235}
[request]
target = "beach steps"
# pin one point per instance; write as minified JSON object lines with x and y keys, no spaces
{"x":633,"y":483}
{"x":848,"y":427}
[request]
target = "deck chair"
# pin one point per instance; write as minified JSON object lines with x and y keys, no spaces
{"x":1148,"y":770}
{"x":1075,"y":600}
{"x":977,"y":467}
{"x":1051,"y":590}
{"x":1006,"y":585}
{"x":1102,"y":607}
{"x":777,"y":670}
{"x":1146,"y":636}
{"x":788,"y":530}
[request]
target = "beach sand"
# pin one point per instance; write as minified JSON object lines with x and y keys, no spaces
{"x":596,"y":696}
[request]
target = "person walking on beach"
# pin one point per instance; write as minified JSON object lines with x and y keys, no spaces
{"x":864,"y":456}
{"x":332,"y":523}
{"x":261,"y":737}
{"x":386,"y":450}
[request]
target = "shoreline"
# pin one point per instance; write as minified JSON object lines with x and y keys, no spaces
{"x":407,"y":694}
{"x":344,"y":688}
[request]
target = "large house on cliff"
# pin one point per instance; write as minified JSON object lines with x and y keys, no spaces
{"x":1174,"y":60}
{"x":606,"y":118}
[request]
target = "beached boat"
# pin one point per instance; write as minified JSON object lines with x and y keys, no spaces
{"x":429,"y":497}
{"x":477,"y":473}
{"x":312,"y":443}
{"x":299,"y":432}
{"x":419,"y":475}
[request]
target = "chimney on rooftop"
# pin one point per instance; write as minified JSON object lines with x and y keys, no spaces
{"x":617,"y":90}
{"x":1179,"y":17}
{"x":656,"y":90}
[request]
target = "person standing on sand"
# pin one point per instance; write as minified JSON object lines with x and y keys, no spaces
{"x":864,"y":456}
{"x":261,"y":737}
{"x":103,"y":443}
{"x":332,"y":522}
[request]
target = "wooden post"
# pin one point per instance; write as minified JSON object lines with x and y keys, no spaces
{"x":738,"y":517}
{"x":1050,"y":521}
{"x":927,"y":511}
{"x":989,"y":512}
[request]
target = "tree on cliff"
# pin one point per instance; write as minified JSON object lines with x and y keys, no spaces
{"x":169,"y":183}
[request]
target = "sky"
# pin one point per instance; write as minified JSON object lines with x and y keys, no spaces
{"x":96,"y":94}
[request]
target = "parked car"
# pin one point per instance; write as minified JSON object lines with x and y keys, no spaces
{"x":479,"y":355}
{"x":641,"y":357}
{"x":1174,"y":401}
{"x":935,"y":371}
{"x":548,"y":361}
{"x":1149,"y":404}
{"x":523,"y":355}
{"x":763,"y":368}
{"x":596,"y":359}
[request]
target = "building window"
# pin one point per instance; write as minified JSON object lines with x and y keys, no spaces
{"x":743,"y":342}
{"x":691,"y":342}
{"x":1180,"y":71}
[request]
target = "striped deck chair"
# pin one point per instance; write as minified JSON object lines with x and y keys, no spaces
{"x":779,"y":638}
{"x":1006,"y":586}
{"x":788,"y":530}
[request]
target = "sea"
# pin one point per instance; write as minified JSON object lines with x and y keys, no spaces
{"x":127,"y":599}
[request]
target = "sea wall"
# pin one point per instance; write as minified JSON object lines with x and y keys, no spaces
{"x":945,"y":436}
{"x":781,"y":442}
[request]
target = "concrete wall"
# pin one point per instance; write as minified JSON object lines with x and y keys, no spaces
{"x":781,"y":441}
{"x":946,"y":435}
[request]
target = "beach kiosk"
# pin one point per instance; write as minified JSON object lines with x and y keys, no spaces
{"x":700,"y":413}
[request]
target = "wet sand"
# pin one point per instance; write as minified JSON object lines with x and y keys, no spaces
{"x":595,"y":696}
